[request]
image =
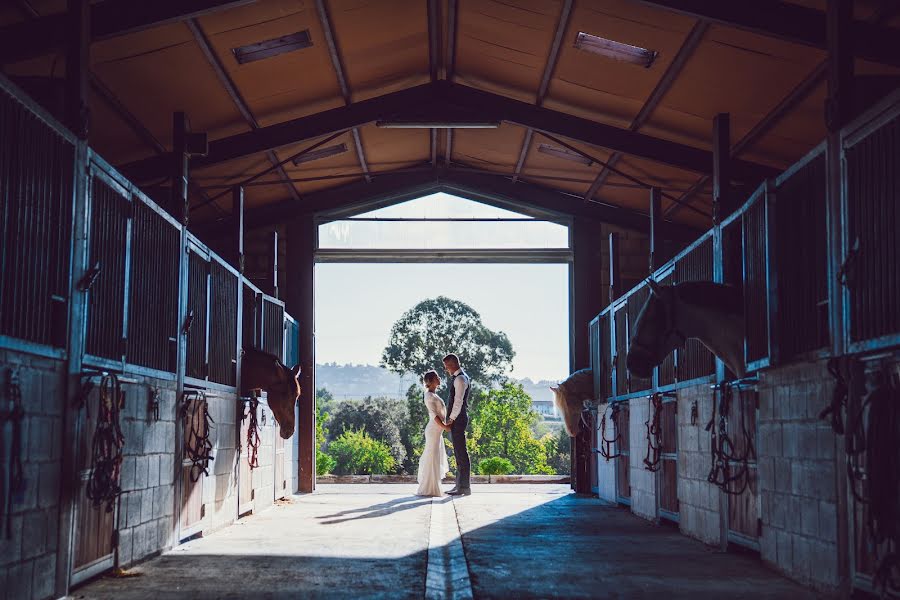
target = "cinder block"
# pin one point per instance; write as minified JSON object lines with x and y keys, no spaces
{"x":133,"y":502}
{"x":11,"y":545}
{"x":140,"y":543}
{"x":789,"y":440}
{"x":784,"y":550}
{"x":823,"y":481}
{"x":56,"y":440}
{"x":126,"y":478}
{"x":141,"y":472}
{"x":807,"y":443}
{"x":783,"y":475}
{"x":34,"y":534}
{"x":166,"y":469}
{"x":809,"y":518}
{"x":165,"y":533}
{"x":44,"y":576}
{"x":767,"y":546}
{"x":126,"y":549}
{"x":52,"y":517}
{"x":825,"y":442}
{"x":802,"y":558}
{"x":823,"y":564}
{"x":779,"y":508}
{"x":827,"y":522}
{"x":801,"y":479}
{"x":766,"y":474}
{"x":765,"y":404}
{"x":48,"y":486}
{"x":153,"y":470}
{"x":20,"y":580}
{"x":30,"y":495}
{"x":147,"y":505}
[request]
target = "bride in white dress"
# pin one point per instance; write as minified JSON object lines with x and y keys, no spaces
{"x":433,"y":463}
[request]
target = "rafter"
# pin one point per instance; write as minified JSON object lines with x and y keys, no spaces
{"x":665,"y":82}
{"x":108,"y":19}
{"x":549,"y":67}
{"x":213,"y":59}
{"x":338,"y":65}
{"x":789,"y":22}
{"x":448,"y":98}
{"x":392,"y":188}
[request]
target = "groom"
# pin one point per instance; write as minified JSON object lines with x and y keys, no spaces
{"x":459,"y":385}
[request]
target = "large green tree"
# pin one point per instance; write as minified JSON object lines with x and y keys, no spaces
{"x":501,"y":427}
{"x":432,"y":328}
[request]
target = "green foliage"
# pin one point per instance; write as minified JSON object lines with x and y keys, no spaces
{"x":324,"y":395}
{"x":495,"y":466}
{"x":381,"y":418}
{"x":501,"y":427}
{"x":324,"y":463}
{"x":426,"y":332}
{"x":558,"y":448}
{"x":355,"y":453}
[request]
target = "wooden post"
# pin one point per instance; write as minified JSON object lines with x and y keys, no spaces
{"x":655,"y":220}
{"x":300,"y":303}
{"x":179,"y":199}
{"x":615,"y":273}
{"x":78,"y":44}
{"x":272,"y":267}
{"x":587,"y":302}
{"x":723,"y":196}
{"x":838,"y":110}
{"x":237,"y":223}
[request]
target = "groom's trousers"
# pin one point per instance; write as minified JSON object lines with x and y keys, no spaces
{"x":458,"y":435}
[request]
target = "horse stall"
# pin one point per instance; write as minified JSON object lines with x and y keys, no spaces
{"x":777,"y":462}
{"x":119,"y":439}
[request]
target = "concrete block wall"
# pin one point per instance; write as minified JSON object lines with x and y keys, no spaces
{"x":147,"y":503}
{"x":606,"y":469}
{"x":797,"y":475}
{"x":29,"y":554}
{"x":220,"y":487}
{"x":643,"y":482}
{"x":699,"y":511}
{"x":264,"y":475}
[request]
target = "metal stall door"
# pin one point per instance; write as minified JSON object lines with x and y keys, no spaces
{"x":95,"y":526}
{"x":193,"y":402}
{"x":742,"y":495}
{"x":623,"y":463}
{"x":247,"y":455}
{"x":668,"y":471}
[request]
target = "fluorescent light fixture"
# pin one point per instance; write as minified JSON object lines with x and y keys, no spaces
{"x":615,"y":50}
{"x":438,"y":124}
{"x":273,"y":47}
{"x":320,"y":153}
{"x":564,"y":154}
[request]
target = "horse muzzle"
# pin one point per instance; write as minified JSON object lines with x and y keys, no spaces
{"x":639,"y":363}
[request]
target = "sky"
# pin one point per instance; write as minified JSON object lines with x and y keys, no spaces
{"x":356,"y":304}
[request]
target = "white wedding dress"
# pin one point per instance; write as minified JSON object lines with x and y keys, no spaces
{"x":433,"y":463}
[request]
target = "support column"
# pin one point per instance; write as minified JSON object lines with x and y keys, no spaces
{"x":236,"y":250}
{"x":587,"y":302}
{"x":723,"y":195}
{"x":655,"y":221}
{"x":838,"y":111}
{"x":77,"y":56}
{"x":300,"y":303}
{"x":272,"y":265}
{"x":179,"y":198}
{"x":615,"y":272}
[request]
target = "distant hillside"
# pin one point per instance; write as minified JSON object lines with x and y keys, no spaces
{"x":358,"y":381}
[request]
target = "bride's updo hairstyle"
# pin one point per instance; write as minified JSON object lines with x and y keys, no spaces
{"x":430,"y":376}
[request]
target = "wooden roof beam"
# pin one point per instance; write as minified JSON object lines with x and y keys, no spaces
{"x":791,"y":23}
{"x":444,"y":98}
{"x":338,"y":65}
{"x":108,"y":19}
{"x":549,"y":67}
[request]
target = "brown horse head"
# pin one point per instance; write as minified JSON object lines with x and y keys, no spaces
{"x":261,"y":370}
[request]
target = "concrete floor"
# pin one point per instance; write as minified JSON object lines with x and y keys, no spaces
{"x":518,"y":541}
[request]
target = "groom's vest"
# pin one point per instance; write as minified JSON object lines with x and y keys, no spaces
{"x":452,"y":388}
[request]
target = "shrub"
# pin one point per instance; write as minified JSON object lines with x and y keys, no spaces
{"x":324,"y":463}
{"x":495,"y":466}
{"x":355,"y":453}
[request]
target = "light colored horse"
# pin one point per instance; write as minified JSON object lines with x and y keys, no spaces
{"x":711,"y":312}
{"x":571,"y":396}
{"x":261,"y":370}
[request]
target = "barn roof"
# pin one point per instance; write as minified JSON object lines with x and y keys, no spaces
{"x":579,"y":133}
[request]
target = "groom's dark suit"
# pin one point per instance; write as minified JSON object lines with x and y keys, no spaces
{"x":458,"y":429}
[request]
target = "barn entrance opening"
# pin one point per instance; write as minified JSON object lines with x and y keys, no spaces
{"x":397,"y":287}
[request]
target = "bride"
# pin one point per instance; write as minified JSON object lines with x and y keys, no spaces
{"x":433,"y":463}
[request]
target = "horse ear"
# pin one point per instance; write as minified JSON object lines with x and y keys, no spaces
{"x":295,"y":371}
{"x":654,"y":287}
{"x":554,"y":389}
